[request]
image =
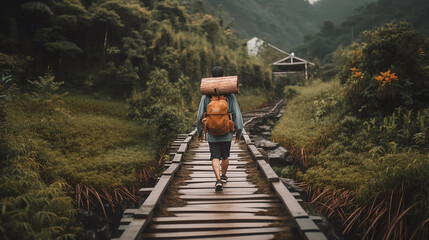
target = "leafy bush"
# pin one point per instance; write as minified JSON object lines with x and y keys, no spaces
{"x":77,"y":147}
{"x":33,"y":210}
{"x":387,"y":70}
{"x":369,"y":173}
{"x":162,"y":105}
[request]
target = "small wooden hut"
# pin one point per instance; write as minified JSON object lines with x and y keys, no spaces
{"x":291,"y":64}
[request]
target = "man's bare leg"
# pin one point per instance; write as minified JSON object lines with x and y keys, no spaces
{"x":215,"y":166}
{"x":225,"y":164}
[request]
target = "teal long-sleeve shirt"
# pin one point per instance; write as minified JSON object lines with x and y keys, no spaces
{"x":236,"y":117}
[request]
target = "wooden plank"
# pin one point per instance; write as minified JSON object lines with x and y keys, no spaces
{"x":125,"y":221}
{"x":177,"y":158}
{"x":172,"y":169}
{"x":247,"y":139}
{"x":205,"y":146}
{"x":211,"y":174}
{"x":200,"y":156}
{"x":152,"y":200}
{"x":275,"y":200}
{"x":183,"y":147}
{"x":209,"y":168}
{"x":214,"y":209}
{"x":207,"y":150}
{"x":244,"y":237}
{"x":289,"y":200}
{"x":210,"y":225}
{"x":255,"y":152}
{"x":145,"y":191}
{"x":134,"y":230}
{"x":268,"y":171}
{"x":187,"y":140}
{"x":238,"y":205}
{"x":315,"y":236}
{"x":228,"y":232}
{"x":212,"y":179}
{"x":122,"y":228}
{"x":193,"y":132}
{"x":129,"y":212}
{"x":215,"y":215}
{"x":225,"y":197}
{"x":207,"y":158}
{"x":211,"y":184}
{"x":306,"y":224}
{"x":216,"y":218}
{"x":226,"y":191}
{"x":208,"y":162}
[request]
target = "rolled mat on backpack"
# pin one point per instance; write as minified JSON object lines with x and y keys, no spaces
{"x":224,"y":85}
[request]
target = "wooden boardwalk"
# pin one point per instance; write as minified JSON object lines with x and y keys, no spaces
{"x":245,"y":208}
{"x":254,"y":204}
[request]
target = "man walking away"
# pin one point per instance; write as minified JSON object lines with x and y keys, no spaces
{"x":220,"y":145}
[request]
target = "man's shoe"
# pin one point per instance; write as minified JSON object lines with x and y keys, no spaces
{"x":224,"y":178}
{"x":218,"y":186}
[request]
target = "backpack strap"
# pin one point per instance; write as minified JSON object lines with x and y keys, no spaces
{"x":204,"y":121}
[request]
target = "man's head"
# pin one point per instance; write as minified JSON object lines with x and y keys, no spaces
{"x":217,"y":71}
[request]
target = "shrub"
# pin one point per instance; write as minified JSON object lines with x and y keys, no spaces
{"x":33,"y":210}
{"x":369,"y":173}
{"x":162,"y":105}
{"x":77,"y":147}
{"x":387,"y":70}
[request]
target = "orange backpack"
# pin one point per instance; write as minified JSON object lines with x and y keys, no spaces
{"x":217,"y":120}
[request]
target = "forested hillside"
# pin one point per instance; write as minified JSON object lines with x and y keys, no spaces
{"x":322,"y":44}
{"x":337,"y":10}
{"x":283,"y":23}
{"x":91,"y":93}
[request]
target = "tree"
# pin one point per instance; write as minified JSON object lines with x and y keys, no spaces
{"x":161,"y":105}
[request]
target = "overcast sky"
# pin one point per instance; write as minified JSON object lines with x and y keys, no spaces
{"x":312,"y":1}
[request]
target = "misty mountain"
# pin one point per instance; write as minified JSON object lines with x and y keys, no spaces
{"x":337,"y":10}
{"x":283,"y":23}
{"x":367,"y":17}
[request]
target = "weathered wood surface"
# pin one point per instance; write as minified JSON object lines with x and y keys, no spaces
{"x":221,"y":85}
{"x":228,"y":232}
{"x":184,"y":204}
{"x":210,"y":226}
{"x":241,"y":210}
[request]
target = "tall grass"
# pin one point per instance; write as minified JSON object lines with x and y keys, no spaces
{"x":371,"y":174}
{"x":72,"y":147}
{"x":250,"y":99}
{"x":309,"y":117}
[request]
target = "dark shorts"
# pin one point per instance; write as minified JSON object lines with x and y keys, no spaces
{"x":219,"y":150}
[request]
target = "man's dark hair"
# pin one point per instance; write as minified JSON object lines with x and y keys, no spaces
{"x":217,"y":71}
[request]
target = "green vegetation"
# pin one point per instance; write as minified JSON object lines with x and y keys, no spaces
{"x":332,"y":34}
{"x":361,"y":141}
{"x":283,"y":23}
{"x":338,"y":10}
{"x":58,"y":144}
{"x":91,"y":94}
{"x":252,"y":98}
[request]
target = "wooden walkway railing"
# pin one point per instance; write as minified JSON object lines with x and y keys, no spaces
{"x":184,"y":205}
